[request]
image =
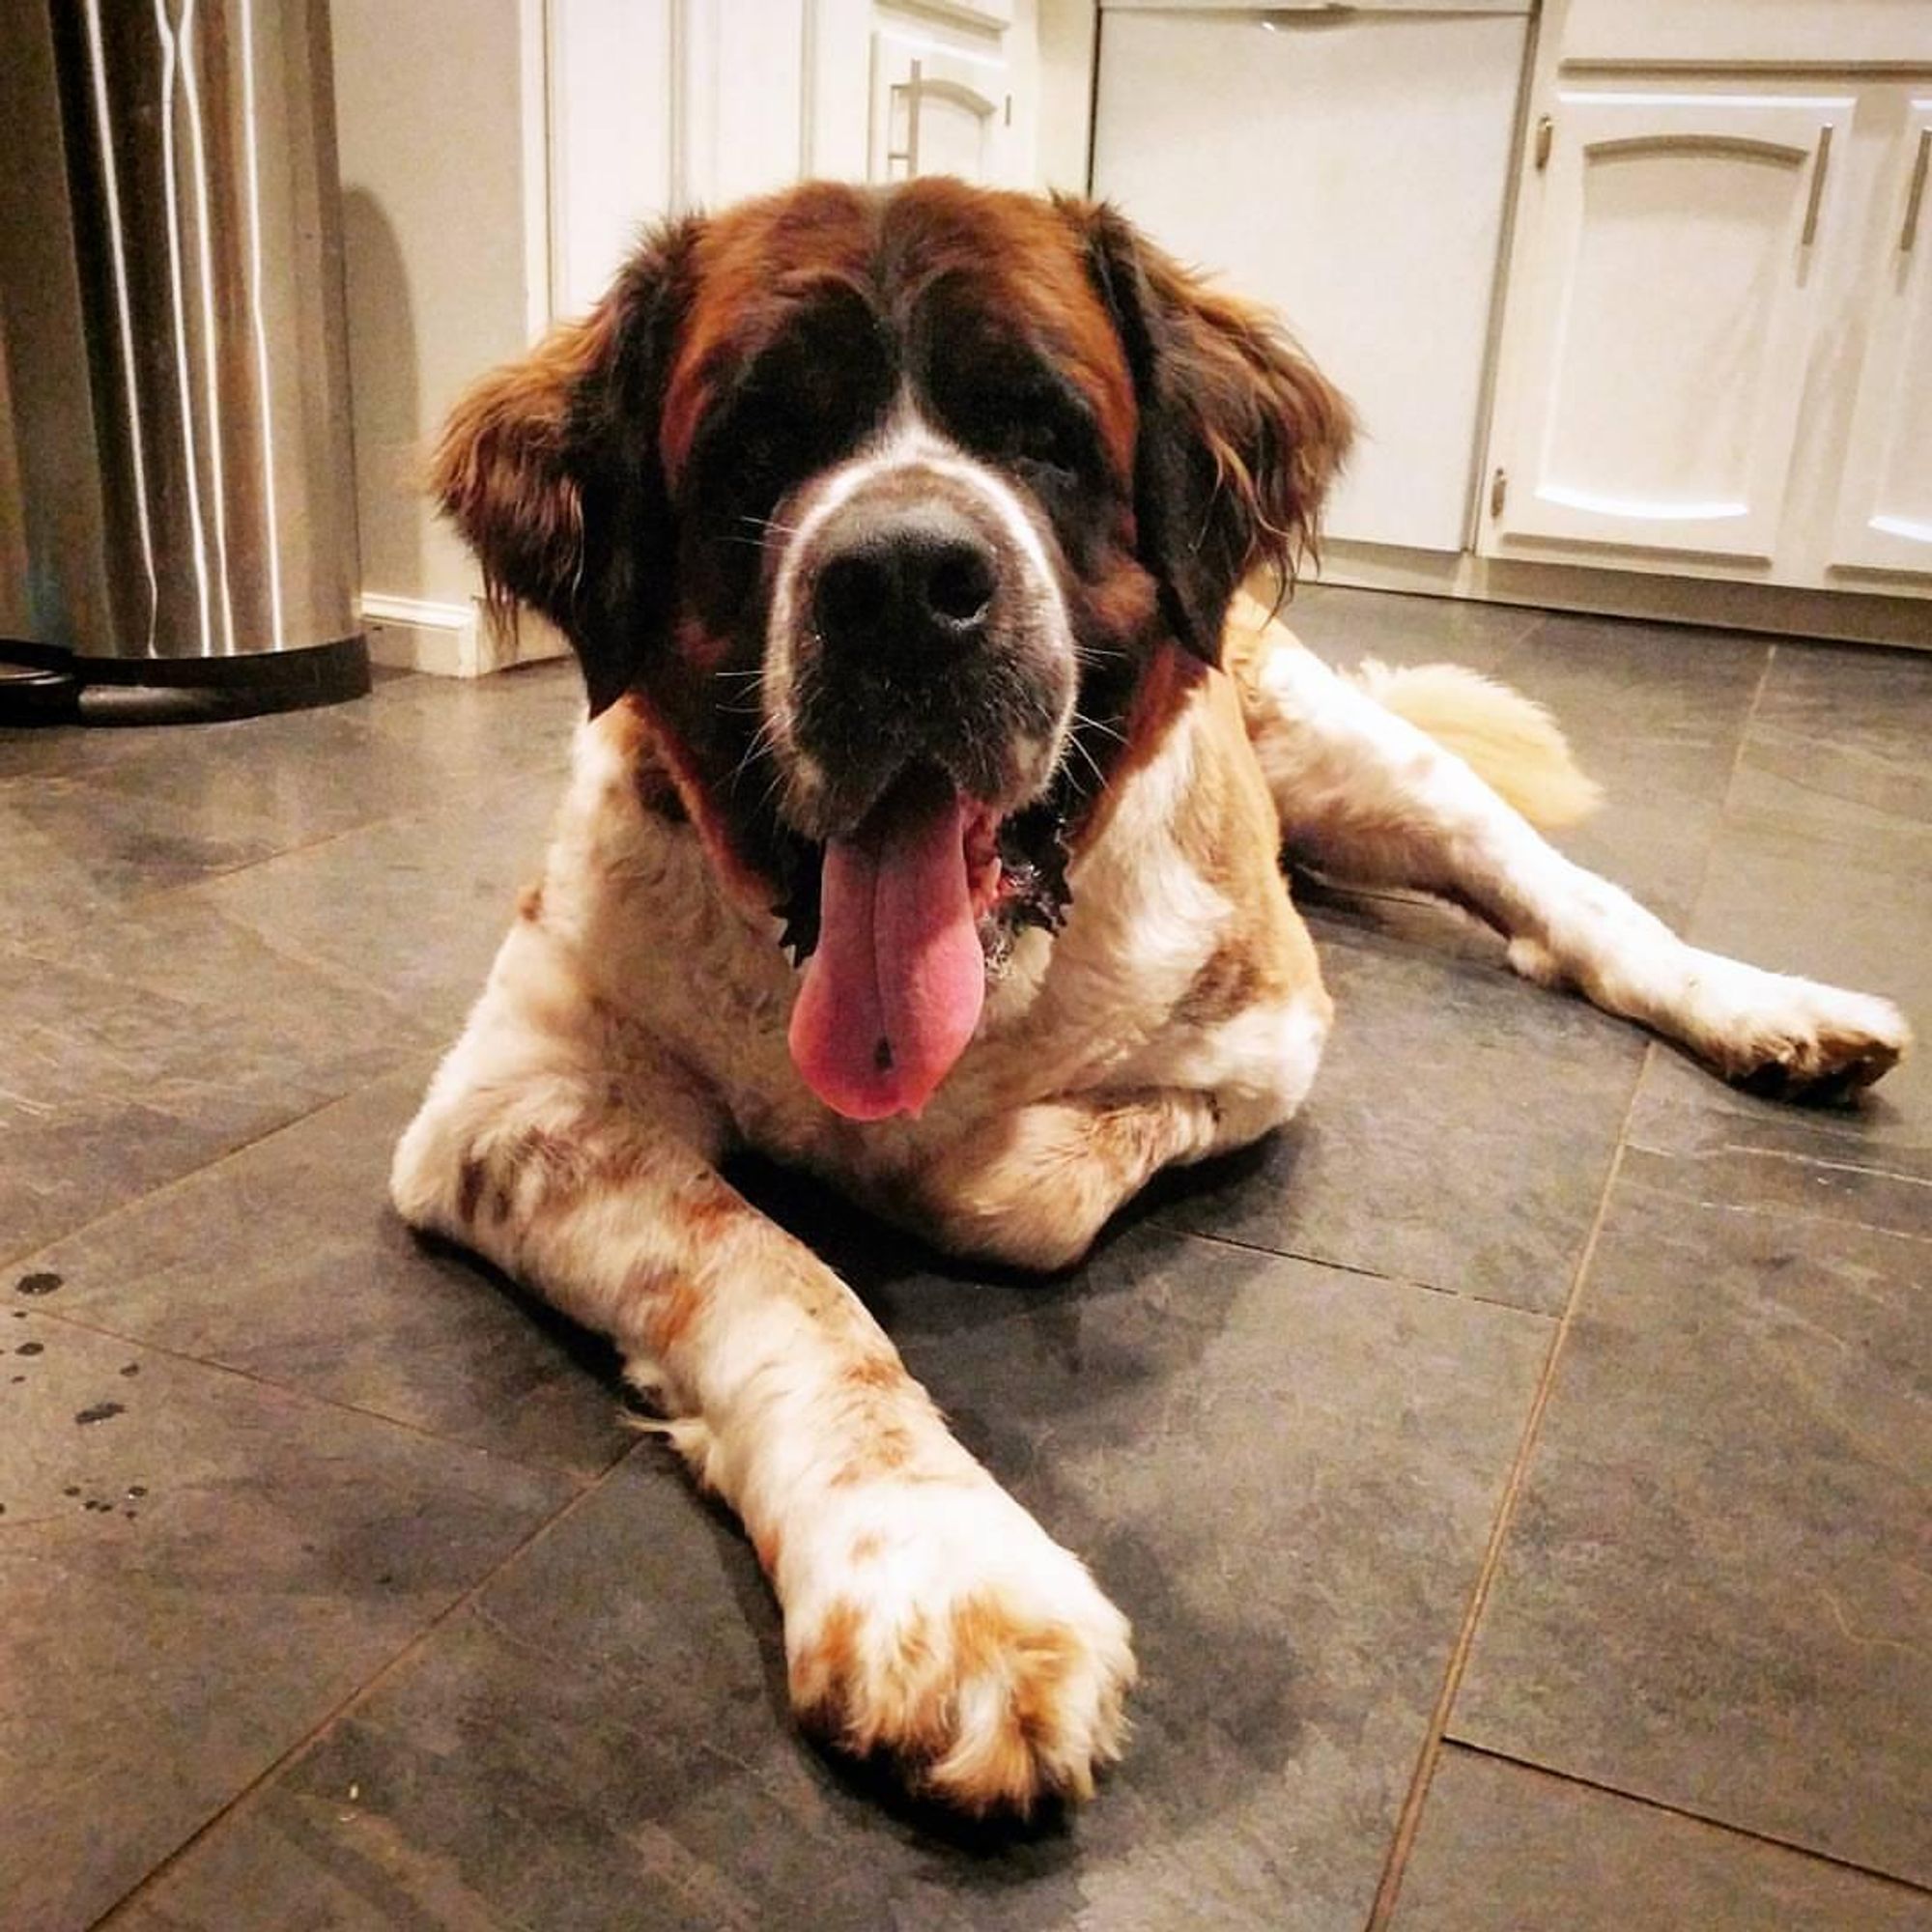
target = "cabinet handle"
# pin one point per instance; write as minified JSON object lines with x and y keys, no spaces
{"x":1818,"y":167}
{"x":1914,"y":198}
{"x":913,"y":90}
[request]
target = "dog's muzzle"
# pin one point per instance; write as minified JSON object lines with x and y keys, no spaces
{"x":920,"y":679}
{"x":918,"y":625}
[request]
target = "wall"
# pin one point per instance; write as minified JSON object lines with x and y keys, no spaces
{"x":430,"y":123}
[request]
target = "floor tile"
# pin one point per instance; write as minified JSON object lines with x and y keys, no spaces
{"x":288,"y":1263}
{"x":148,"y":1042}
{"x":1459,"y":1131}
{"x":1820,"y":870}
{"x":1811,"y":905}
{"x":69,"y":851}
{"x":288,"y":780}
{"x":1285,"y":1476}
{"x":1842,"y":745}
{"x":1345,"y":625}
{"x":515,"y":721}
{"x":194,"y":1570}
{"x":31,"y":753}
{"x":416,"y":906}
{"x":1506,"y":1849}
{"x":1716,"y":1589}
{"x":1656,"y":715}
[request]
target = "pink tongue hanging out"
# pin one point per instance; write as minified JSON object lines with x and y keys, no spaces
{"x":893,"y":993}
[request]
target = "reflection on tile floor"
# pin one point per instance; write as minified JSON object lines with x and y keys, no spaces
{"x":335,"y":1591}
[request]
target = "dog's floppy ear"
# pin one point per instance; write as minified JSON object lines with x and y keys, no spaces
{"x":1239,"y":436}
{"x":550,"y":467}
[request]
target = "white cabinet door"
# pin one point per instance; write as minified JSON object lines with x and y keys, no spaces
{"x":1673,"y":275}
{"x":938,"y":111}
{"x":1885,"y":518}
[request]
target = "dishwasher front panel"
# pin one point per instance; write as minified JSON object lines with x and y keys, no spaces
{"x":1350,"y":168}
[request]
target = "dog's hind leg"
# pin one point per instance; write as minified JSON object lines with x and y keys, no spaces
{"x":926,"y":1615}
{"x":1368,"y":796}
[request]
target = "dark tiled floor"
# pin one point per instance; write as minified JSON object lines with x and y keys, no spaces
{"x":362,"y":1607}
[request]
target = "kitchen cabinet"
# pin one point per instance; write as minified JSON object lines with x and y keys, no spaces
{"x":940,"y":110}
{"x":1680,"y":248}
{"x":1716,"y":350}
{"x":656,"y":107}
{"x":1884,"y":507}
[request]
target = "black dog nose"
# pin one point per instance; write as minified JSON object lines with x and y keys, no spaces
{"x":918,"y":578}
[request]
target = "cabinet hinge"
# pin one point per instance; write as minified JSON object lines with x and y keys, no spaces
{"x":1499,"y":485}
{"x":1545,"y":132}
{"x":1010,"y":110}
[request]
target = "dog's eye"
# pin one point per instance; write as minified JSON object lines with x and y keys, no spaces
{"x":1044,"y":440}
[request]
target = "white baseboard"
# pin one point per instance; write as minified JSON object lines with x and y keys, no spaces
{"x":454,"y":639}
{"x":1713,"y":602}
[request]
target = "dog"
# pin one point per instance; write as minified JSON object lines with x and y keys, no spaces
{"x":927,"y":834}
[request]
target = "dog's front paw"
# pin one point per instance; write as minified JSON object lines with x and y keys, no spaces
{"x":1793,"y":1039}
{"x":939,"y":1624}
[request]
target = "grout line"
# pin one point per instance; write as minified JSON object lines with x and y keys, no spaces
{"x":1409,"y":1819}
{"x":335,"y":1404}
{"x":17,"y":1257}
{"x":139,"y":900}
{"x":1357,"y":1268}
{"x":1704,"y":1818}
{"x":1724,"y":820}
{"x":257,"y":1786}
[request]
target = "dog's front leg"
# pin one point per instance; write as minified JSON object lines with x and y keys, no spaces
{"x":1032,"y":1188}
{"x":927,"y":1614}
{"x":1365,"y":794}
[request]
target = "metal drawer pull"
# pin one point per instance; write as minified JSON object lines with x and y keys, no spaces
{"x":914,"y":91}
{"x":1914,"y":198}
{"x":1818,"y":168}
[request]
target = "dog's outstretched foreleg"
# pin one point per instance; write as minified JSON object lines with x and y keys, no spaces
{"x":927,"y":1614}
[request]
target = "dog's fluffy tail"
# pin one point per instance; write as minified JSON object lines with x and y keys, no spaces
{"x":1513,"y":744}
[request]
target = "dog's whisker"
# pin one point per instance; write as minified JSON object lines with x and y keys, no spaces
{"x":1095,"y":724}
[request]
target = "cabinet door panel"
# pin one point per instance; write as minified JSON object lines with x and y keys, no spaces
{"x":1885,"y":520}
{"x":936,"y":111}
{"x":1674,"y":281}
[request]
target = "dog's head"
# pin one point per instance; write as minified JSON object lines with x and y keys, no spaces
{"x":904,"y":518}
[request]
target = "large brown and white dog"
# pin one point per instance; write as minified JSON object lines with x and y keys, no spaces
{"x":926,"y":833}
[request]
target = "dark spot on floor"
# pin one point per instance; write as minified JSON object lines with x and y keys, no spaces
{"x":71,"y":1489}
{"x":133,"y":1369}
{"x":136,"y":1489}
{"x":38,"y":1283}
{"x":31,"y":1349}
{"x":101,"y":1411}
